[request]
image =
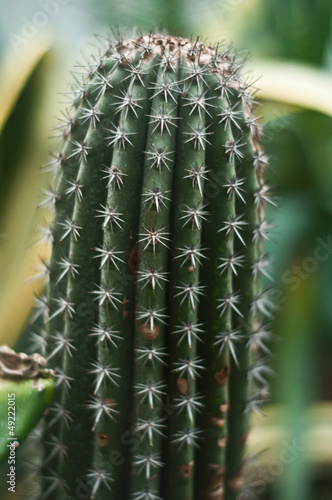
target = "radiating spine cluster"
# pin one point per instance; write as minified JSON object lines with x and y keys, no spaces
{"x":153,"y":311}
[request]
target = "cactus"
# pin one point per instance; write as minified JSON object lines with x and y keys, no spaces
{"x":154,"y":316}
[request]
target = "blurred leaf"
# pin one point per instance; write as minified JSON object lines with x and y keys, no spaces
{"x":177,"y":18}
{"x":294,"y":84}
{"x":268,"y":432}
{"x":22,"y":151}
{"x":32,"y":397}
{"x":293,"y":231}
{"x":295,"y":358}
{"x":19,"y":95}
{"x":18,"y":295}
{"x":293,"y":29}
{"x":327,"y":59}
{"x":15,"y":73}
{"x":301,"y":27}
{"x":300,"y":153}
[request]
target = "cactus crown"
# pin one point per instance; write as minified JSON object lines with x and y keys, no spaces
{"x":153,"y":312}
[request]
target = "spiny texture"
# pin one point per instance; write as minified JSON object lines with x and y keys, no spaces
{"x":154,"y":316}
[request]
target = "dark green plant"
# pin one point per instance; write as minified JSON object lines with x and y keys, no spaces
{"x":154,"y":316}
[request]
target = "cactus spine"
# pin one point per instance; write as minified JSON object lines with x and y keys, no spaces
{"x":153,"y":309}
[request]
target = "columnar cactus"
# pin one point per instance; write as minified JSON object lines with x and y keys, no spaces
{"x":154,"y":317}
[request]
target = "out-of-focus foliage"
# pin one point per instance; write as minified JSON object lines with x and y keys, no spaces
{"x":298,"y":132}
{"x":30,"y":401}
{"x":22,"y":121}
{"x":295,"y":85}
{"x":288,"y":29}
{"x":21,"y":92}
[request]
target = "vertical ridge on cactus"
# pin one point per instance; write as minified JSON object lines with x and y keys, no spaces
{"x":154,"y":311}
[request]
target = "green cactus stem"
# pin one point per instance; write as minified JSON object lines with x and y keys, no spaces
{"x":154,"y":306}
{"x":188,"y":215}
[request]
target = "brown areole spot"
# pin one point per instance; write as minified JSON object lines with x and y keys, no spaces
{"x":147,"y":333}
{"x":218,"y":474}
{"x":133,"y":261}
{"x":244,"y":437}
{"x":223,"y":408}
{"x":235,"y":483}
{"x":103,"y":439}
{"x":182,"y":385}
{"x":186,"y":469}
{"x":217,"y":422}
{"x":110,"y":402}
{"x":215,"y":492}
{"x":222,"y":376}
{"x":222,"y":442}
{"x":125,"y":311}
{"x":215,"y":489}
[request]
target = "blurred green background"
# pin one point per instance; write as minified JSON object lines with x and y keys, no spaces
{"x":290,"y":46}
